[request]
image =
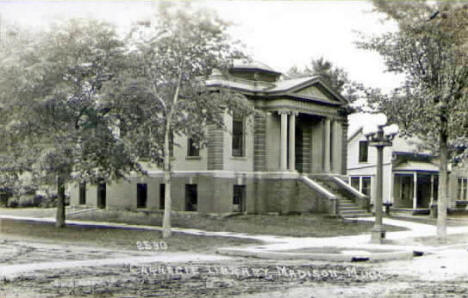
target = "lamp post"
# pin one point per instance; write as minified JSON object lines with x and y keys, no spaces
{"x":379,"y":136}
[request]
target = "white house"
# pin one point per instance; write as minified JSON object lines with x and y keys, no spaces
{"x":410,"y":174}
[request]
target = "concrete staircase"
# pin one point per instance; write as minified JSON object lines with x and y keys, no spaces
{"x":349,"y":206}
{"x":348,"y":209}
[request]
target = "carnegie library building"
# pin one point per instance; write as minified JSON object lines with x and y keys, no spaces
{"x":289,"y":157}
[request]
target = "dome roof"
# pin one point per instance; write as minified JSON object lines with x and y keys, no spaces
{"x":253,"y":66}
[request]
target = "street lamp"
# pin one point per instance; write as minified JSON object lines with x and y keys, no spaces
{"x":379,"y":136}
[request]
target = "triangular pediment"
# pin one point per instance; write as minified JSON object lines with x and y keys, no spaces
{"x":313,"y":91}
{"x":317,"y":91}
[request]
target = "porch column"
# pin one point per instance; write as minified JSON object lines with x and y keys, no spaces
{"x":292,"y":141}
{"x":326,"y":144}
{"x":284,"y":139}
{"x":432,"y":191}
{"x":415,"y":190}
{"x":391,"y":188}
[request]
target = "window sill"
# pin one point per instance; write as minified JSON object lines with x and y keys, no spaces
{"x":193,"y":158}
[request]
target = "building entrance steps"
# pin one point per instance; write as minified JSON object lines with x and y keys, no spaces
{"x":349,"y":204}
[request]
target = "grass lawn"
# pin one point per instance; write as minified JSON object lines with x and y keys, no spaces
{"x":29,"y":211}
{"x":114,"y":238}
{"x":307,"y":225}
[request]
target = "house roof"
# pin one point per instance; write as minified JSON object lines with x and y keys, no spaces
{"x":416,"y":166}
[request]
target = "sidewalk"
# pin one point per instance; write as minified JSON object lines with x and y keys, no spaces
{"x":282,"y":243}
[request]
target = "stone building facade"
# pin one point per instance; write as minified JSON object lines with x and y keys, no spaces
{"x":264,"y":163}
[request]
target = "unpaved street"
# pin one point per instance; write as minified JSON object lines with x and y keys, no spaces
{"x":37,"y":269}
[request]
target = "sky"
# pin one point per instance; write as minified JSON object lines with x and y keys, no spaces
{"x":280,"y":34}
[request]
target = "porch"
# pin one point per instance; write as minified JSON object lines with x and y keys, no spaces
{"x":416,"y":190}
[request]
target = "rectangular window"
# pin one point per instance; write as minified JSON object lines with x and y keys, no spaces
{"x":82,"y":193}
{"x":237,"y":136}
{"x":101,"y":195}
{"x":355,"y":182}
{"x":162,"y":194}
{"x":464,"y":188}
{"x":193,"y":148}
{"x":363,"y":151}
{"x":191,"y":199}
{"x":366,"y":185}
{"x":238,"y":198}
{"x":142,"y":195}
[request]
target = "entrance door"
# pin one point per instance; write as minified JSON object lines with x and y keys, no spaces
{"x":407,"y":188}
{"x":101,"y":195}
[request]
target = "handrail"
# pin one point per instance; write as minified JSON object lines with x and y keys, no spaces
{"x":318,"y":187}
{"x":349,"y":188}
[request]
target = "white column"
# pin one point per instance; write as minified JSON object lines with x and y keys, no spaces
{"x":292,"y":141}
{"x":333,"y":147}
{"x":326,"y":157}
{"x":415,"y":190}
{"x":284,"y":139}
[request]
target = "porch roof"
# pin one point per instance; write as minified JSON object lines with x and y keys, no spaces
{"x":416,"y":166}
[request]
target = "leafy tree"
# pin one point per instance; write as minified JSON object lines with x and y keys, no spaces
{"x":333,"y":76}
{"x":430,"y":49}
{"x":162,"y":93}
{"x":54,"y":122}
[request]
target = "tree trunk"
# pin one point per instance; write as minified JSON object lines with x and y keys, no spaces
{"x":167,"y":190}
{"x":443,"y":177}
{"x":167,"y":164}
{"x":60,"y":218}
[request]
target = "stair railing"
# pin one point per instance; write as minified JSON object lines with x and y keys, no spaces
{"x":360,"y":198}
{"x":323,"y":191}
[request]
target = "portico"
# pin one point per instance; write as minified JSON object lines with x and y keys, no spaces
{"x":320,"y":138}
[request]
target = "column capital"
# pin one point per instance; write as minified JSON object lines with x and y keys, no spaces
{"x":294,"y":113}
{"x":283,"y":112}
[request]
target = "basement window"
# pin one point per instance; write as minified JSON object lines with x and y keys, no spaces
{"x":162,"y":195}
{"x":142,"y":195}
{"x":82,"y":193}
{"x":238,"y":198}
{"x":191,"y":199}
